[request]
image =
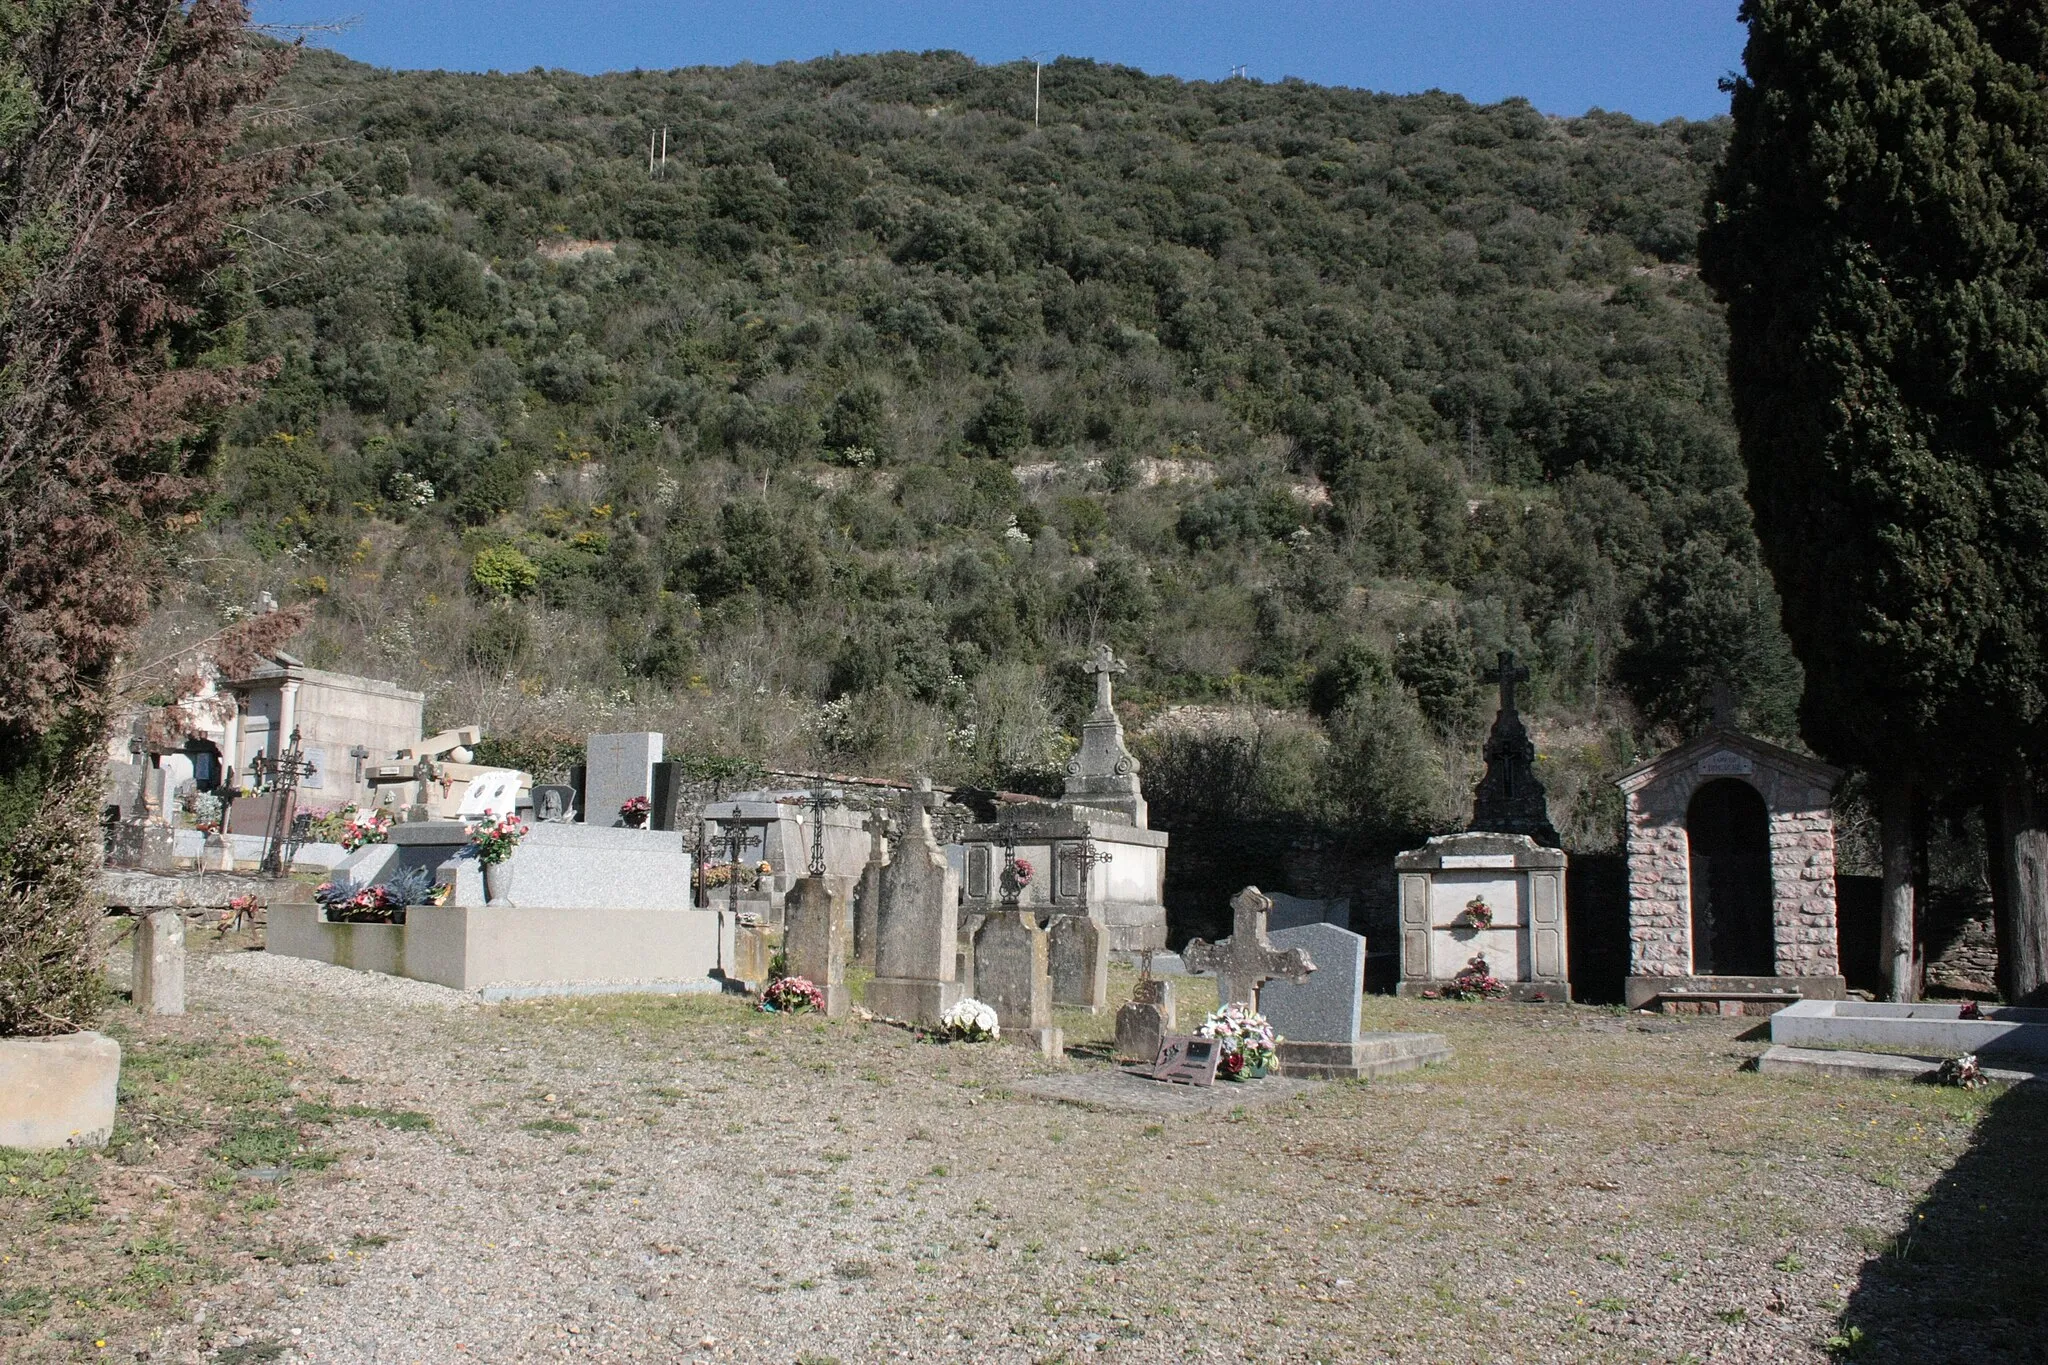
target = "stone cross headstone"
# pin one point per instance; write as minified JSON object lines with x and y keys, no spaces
{"x":1246,"y":960}
{"x":158,"y":985}
{"x":814,"y":940}
{"x":1010,"y":976}
{"x":616,"y":769}
{"x":917,"y":929}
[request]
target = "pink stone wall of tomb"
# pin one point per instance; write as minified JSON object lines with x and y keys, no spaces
{"x":1802,"y":841}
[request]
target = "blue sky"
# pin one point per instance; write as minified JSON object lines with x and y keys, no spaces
{"x":1655,"y":59}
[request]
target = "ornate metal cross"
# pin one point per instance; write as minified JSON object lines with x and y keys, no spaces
{"x":736,"y":839}
{"x":286,"y":772}
{"x":1083,"y":855}
{"x":822,"y":800}
{"x":1245,"y":961}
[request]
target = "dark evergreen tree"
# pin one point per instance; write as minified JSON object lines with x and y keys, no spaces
{"x":1876,"y":233}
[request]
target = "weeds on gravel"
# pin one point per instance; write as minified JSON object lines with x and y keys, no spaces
{"x":549,"y":1126}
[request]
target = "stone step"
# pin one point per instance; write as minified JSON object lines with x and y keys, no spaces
{"x":1374,"y":1054}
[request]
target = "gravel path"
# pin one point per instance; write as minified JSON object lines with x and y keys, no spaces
{"x":633,"y":1178}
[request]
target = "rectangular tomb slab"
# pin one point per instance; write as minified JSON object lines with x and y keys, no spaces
{"x":2003,"y":1033}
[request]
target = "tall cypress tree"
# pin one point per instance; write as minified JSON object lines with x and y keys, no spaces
{"x":1876,"y":231}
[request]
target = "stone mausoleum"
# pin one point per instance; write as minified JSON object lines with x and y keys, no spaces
{"x":1495,"y":894}
{"x":1731,"y":877}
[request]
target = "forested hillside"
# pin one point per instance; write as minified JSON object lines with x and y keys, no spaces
{"x":835,"y":437}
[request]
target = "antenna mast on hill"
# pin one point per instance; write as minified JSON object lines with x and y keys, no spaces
{"x":1035,"y":58}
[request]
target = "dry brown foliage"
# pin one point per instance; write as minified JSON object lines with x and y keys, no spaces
{"x":116,"y":196}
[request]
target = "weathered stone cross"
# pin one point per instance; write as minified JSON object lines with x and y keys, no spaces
{"x":1508,"y":674}
{"x":1104,"y":666}
{"x":1246,"y":961}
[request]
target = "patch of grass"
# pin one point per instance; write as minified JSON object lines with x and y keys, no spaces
{"x":853,"y":1270}
{"x":368,"y":1241}
{"x":251,"y":1353}
{"x":280,"y":1145}
{"x":549,"y":1126}
{"x":28,"y":1305}
{"x":1734,"y":1317}
{"x":1788,"y":1264}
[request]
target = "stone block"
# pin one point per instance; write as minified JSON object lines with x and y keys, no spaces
{"x":158,"y":980}
{"x":815,"y":940}
{"x":1324,"y":1008}
{"x":1145,"y":1020}
{"x":1011,"y":976}
{"x":58,"y":1092}
{"x":1078,"y":956}
{"x":1370,"y":1055}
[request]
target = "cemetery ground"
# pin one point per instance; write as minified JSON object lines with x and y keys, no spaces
{"x":332,"y":1166}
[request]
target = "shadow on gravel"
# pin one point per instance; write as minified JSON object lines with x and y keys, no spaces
{"x":1966,"y":1280}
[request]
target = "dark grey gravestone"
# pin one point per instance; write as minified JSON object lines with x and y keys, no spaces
{"x":1079,"y":960}
{"x":1325,"y":1007}
{"x":618,"y":768}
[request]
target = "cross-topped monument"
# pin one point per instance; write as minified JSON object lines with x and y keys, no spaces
{"x":1105,"y":665}
{"x":1507,"y":673}
{"x":1510,"y":799}
{"x":1104,"y":774}
{"x":1245,"y":961}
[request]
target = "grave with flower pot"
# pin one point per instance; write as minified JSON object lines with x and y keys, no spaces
{"x":522,"y":909}
{"x":1497,"y":890}
{"x":1300,"y":990}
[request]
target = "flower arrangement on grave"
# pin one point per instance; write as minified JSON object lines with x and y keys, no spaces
{"x":242,"y":909}
{"x":493,"y":840}
{"x":1246,"y":1044}
{"x":205,"y":809}
{"x":634,"y":810}
{"x":440,"y":893}
{"x":970,"y":1021}
{"x":348,"y":901}
{"x":1475,"y":982}
{"x":1962,"y":1072}
{"x":1023,"y":866}
{"x":1478,"y":913}
{"x":792,"y":995}
{"x":359,"y":827}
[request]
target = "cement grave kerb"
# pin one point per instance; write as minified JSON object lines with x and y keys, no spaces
{"x":2002,"y":1034}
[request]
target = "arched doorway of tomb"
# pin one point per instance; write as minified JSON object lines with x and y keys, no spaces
{"x":1729,"y":832}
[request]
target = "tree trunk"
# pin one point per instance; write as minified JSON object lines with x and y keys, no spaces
{"x":1895,"y":838}
{"x":2020,"y":886}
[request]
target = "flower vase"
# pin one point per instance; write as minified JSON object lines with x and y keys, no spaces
{"x":498,"y":883}
{"x":636,"y":819}
{"x":1254,"y":1071}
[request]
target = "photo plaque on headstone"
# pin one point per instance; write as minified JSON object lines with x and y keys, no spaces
{"x":1186,"y":1059}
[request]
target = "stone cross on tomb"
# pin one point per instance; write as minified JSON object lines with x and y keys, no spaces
{"x":1245,"y":961}
{"x":1508,"y":673}
{"x":1104,"y":666}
